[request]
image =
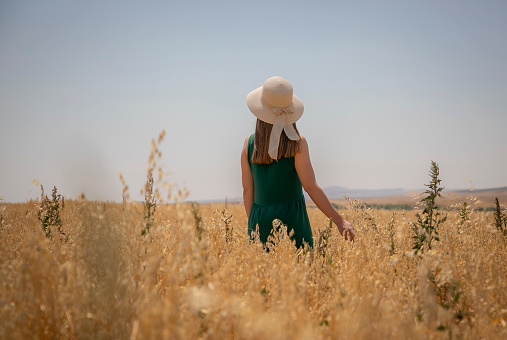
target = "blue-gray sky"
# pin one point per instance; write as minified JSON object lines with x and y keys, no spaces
{"x":387,"y":86}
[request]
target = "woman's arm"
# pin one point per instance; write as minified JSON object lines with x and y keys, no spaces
{"x":246,"y":179}
{"x":307,"y":177}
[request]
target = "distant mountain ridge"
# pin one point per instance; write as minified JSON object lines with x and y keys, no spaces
{"x":480,"y":198}
{"x":485,"y":190}
{"x":339,"y":191}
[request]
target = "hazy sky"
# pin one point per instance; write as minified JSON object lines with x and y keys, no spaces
{"x":388,"y":86}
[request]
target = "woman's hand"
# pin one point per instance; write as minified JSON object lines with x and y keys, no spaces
{"x":347,"y":231}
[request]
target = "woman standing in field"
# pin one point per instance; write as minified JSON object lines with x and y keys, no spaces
{"x":275,"y":164}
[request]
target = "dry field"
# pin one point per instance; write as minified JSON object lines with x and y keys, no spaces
{"x":190,"y":279}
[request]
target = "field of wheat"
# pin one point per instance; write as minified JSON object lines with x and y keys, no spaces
{"x":196,"y":275}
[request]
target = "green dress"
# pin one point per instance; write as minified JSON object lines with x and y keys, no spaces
{"x":278,"y":194}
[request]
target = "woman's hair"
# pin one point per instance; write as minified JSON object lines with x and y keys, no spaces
{"x":286,"y":148}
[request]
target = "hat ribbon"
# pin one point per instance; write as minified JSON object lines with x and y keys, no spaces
{"x":281,"y":123}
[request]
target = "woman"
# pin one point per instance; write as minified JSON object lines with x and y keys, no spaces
{"x":275,"y":164}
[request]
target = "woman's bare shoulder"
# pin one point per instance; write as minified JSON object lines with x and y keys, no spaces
{"x":245,"y":144}
{"x":304,"y":143}
{"x":247,"y":140}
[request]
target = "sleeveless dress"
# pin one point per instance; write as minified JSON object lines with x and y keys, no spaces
{"x":278,"y":194}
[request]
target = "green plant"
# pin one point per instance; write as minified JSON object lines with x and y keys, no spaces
{"x":390,"y":228}
{"x":228,"y":227}
{"x":197,"y":220}
{"x":425,"y":229}
{"x":150,"y":205}
{"x":49,"y":214}
{"x":324,"y":239}
{"x":500,"y":218}
{"x":464,"y":213}
{"x":450,"y":296}
{"x":150,"y":194}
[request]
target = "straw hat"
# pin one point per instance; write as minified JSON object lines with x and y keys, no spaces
{"x":274,"y":103}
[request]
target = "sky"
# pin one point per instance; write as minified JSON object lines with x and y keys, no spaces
{"x":388,"y":86}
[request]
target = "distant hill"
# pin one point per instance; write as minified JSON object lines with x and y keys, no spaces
{"x":481,"y":198}
{"x":338,"y":192}
{"x":490,"y":190}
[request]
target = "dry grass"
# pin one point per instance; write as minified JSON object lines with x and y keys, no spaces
{"x":109,"y":282}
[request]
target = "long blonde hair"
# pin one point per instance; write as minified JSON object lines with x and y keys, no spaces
{"x":286,"y":148}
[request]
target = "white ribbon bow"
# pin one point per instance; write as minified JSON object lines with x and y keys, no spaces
{"x":281,"y":123}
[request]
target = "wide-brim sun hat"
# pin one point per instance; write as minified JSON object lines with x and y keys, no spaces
{"x":274,"y":103}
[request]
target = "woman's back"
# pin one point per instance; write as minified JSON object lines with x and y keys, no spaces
{"x":274,"y":183}
{"x":278,"y":196}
